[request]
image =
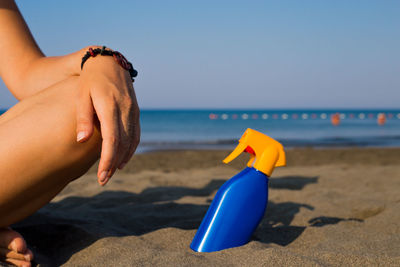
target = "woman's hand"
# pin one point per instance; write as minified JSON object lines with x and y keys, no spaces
{"x":106,"y":90}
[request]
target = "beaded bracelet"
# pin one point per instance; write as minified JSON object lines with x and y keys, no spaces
{"x":121,"y":60}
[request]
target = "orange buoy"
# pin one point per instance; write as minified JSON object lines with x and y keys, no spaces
{"x":335,"y":119}
{"x":381,"y":119}
{"x":213,"y":116}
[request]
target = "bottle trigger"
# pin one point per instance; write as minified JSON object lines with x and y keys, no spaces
{"x":265,"y":152}
{"x":250,"y":150}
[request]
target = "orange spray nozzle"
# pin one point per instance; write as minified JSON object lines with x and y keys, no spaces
{"x":265,"y":153}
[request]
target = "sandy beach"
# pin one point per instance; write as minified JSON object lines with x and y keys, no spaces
{"x":328,"y":207}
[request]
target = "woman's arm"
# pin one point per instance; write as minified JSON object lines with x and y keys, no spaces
{"x":105,"y":89}
{"x":23,"y":67}
{"x":44,"y":72}
{"x":18,"y":49}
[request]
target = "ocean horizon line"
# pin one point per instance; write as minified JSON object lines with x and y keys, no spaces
{"x":263,"y":109}
{"x":267,"y":109}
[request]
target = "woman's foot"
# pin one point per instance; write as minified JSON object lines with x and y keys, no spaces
{"x":13,"y":248}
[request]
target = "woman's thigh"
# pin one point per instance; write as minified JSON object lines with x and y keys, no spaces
{"x":39,"y":154}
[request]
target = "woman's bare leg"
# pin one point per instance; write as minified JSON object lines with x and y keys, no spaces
{"x":39,"y":154}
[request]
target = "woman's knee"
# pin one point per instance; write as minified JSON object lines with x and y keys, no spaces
{"x":41,"y":152}
{"x":83,"y":154}
{"x":59,"y":106}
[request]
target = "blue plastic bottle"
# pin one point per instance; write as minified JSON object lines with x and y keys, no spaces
{"x":240,"y":203}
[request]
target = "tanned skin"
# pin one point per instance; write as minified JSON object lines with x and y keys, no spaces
{"x":65,"y":120}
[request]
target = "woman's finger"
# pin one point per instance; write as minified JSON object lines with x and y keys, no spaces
{"x":126,"y":122}
{"x":135,"y":140}
{"x":132,"y":122}
{"x":10,"y":254}
{"x":84,"y":113}
{"x":107,"y":113}
{"x":134,"y":127}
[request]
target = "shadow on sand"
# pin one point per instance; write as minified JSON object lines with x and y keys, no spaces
{"x":77,"y":222}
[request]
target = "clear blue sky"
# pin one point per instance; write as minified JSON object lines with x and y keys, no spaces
{"x":237,"y":54}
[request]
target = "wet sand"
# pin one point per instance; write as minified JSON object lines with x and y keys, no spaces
{"x":327,"y":207}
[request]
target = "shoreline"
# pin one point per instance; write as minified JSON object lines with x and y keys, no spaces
{"x":181,"y":159}
{"x":324,"y":143}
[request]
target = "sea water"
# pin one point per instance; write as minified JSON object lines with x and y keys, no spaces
{"x":221,"y":129}
{"x":208,"y":129}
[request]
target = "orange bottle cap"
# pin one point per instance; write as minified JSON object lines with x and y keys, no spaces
{"x":265,"y":152}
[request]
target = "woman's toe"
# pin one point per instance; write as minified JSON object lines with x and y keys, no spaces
{"x":12,"y":240}
{"x":18,"y":263}
{"x":28,"y":255}
{"x":13,"y":248}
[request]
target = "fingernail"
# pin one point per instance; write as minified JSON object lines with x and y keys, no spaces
{"x":27,"y":257}
{"x":103,"y":176}
{"x":122,"y":165}
{"x":80,"y":136}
